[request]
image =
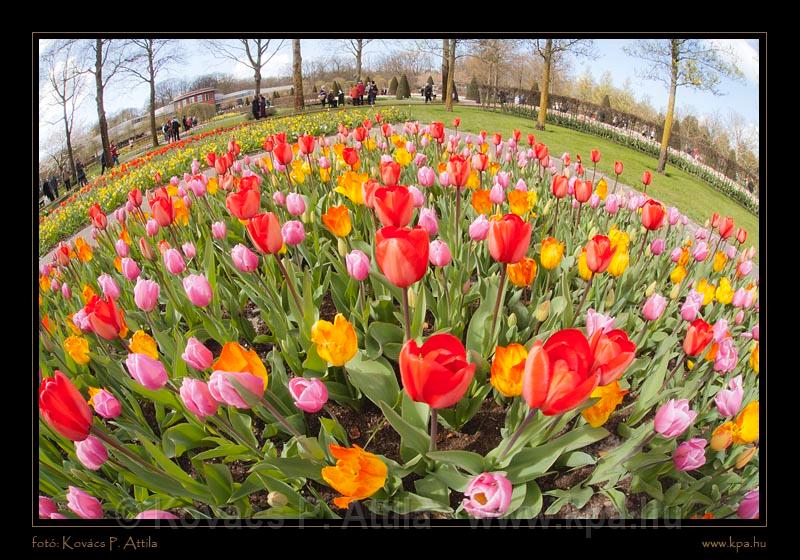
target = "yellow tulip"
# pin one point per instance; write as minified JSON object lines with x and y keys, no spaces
{"x":507,"y":368}
{"x":518,"y":202}
{"x":78,"y":349}
{"x":402,"y":156}
{"x":708,"y":290}
{"x":724,"y":293}
{"x":551,"y":254}
{"x":583,"y":269}
{"x":611,"y":396}
{"x":523,"y":273}
{"x":677,"y":275}
{"x":719,"y":261}
{"x":143,"y":343}
{"x":747,"y":424}
{"x":619,"y":262}
{"x":602,"y":189}
{"x":336,"y":342}
{"x":350,"y":185}
{"x":754,"y":358}
{"x":87,"y":293}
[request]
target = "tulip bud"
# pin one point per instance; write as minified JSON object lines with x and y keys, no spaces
{"x":547,"y":206}
{"x":542,"y":311}
{"x":673,"y":293}
{"x":342,"y":247}
{"x":610,"y":298}
{"x":744,"y":457}
{"x":276,"y":499}
{"x":512,"y":320}
{"x":721,"y":441}
{"x":650,"y":290}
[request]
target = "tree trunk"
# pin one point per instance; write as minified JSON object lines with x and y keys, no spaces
{"x":70,"y":155}
{"x":101,"y":111}
{"x":152,"y":75}
{"x":359,"y":50}
{"x":445,"y":63}
{"x":297,"y":67}
{"x":673,"y":86}
{"x":548,"y":60}
{"x":258,"y":81}
{"x":451,"y":74}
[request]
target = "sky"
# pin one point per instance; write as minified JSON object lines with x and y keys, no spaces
{"x":741,"y":96}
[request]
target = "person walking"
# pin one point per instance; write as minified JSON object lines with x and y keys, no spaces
{"x":256,"y":108}
{"x":341,"y":98}
{"x":79,"y":169}
{"x":114,"y":155}
{"x":428,"y":92}
{"x":373,"y":92}
{"x":332,"y":100}
{"x":167,"y":130}
{"x":263,"y":107}
{"x":66,"y":178}
{"x":49,"y":196}
{"x":176,"y":129}
{"x":103,"y":163}
{"x":323,"y":96}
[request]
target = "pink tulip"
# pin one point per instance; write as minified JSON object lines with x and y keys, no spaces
{"x":654,"y":307}
{"x":594,"y":200}
{"x":673,"y":215}
{"x":80,"y":320}
{"x":726,"y":357}
{"x":109,"y":286}
{"x":197,"y":289}
{"x":444,"y":179}
{"x":219,"y":230}
{"x":66,"y":293}
{"x":657,"y":246}
{"x":417,"y":197}
{"x":692,"y":305}
{"x":47,"y":507}
{"x":744,"y":268}
{"x":324,"y":163}
{"x":156,"y":514}
{"x":497,"y":195}
{"x":83,"y":505}
{"x":740,"y":297}
{"x":612,"y":204}
{"x":748,"y":507}
{"x":690,"y":455}
{"x":674,"y":417}
{"x":739,"y":318}
{"x":701,"y":234}
{"x":309,"y":395}
{"x":106,"y":405}
{"x":45,"y":269}
{"x":427,"y":220}
{"x":195,"y":166}
{"x":521,"y":186}
{"x":420,"y":160}
{"x":426,"y":176}
{"x":684,"y":219}
{"x":121,"y":215}
{"x":293,"y":232}
{"x":440,"y":253}
{"x":487,"y":495}
{"x":479,"y":228}
{"x":503,"y":178}
{"x":198,"y":187}
{"x":222,"y":389}
{"x":173,"y":261}
{"x":357,"y":265}
{"x":720,"y":330}
{"x":598,"y":322}
{"x":755,"y":332}
{"x":197,"y":355}
{"x":729,"y":401}
{"x":279,"y":198}
{"x":675,"y":255}
{"x":196,"y":396}
{"x":146,"y":371}
{"x":151,"y":227}
{"x":700,"y":251}
{"x":91,"y":453}
{"x":295,"y":204}
{"x":55,"y":285}
{"x":244,"y":259}
{"x":145,"y":294}
{"x":121,"y":248}
{"x":189,"y":250}
{"x":174,"y":181}
{"x":130,"y":269}
{"x":730,"y":252}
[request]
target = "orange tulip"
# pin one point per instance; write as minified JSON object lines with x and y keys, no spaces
{"x":357,"y":475}
{"x":337,"y":220}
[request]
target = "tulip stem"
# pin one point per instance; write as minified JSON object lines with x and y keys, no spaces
{"x":555,"y":217}
{"x":672,"y":373}
{"x":499,"y":301}
{"x":291,"y":287}
{"x":644,"y":242}
{"x":124,"y":450}
{"x":232,"y":432}
{"x":616,"y":180}
{"x":434,"y":428}
{"x":406,"y":318}
{"x":518,"y":432}
{"x":585,"y":293}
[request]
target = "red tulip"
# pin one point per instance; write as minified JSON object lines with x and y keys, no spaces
{"x":583,"y":191}
{"x":541,"y":151}
{"x":394,"y":206}
{"x":579,"y":169}
{"x":741,"y":235}
{"x":457,"y":122}
{"x":726,"y":227}
{"x":279,"y":138}
{"x":265,"y":231}
{"x":368,"y":190}
{"x":560,"y":186}
{"x":437,"y":131}
{"x":99,"y":219}
{"x":595,"y":156}
{"x":618,"y":167}
{"x":386,"y":130}
{"x":480,"y":161}
{"x":284,"y":153}
{"x":496,"y":139}
{"x":63,"y":407}
{"x":306,"y":142}
{"x":509,"y":238}
{"x":516,"y":135}
{"x":161,"y":207}
{"x":402,"y":254}
{"x":269,"y":145}
{"x":436,"y":373}
{"x":698,"y":336}
{"x":647,"y":178}
{"x":612,"y":353}
{"x":368,"y":123}
{"x":211,"y":157}
{"x":714,"y":220}
{"x":558,"y":375}
{"x":458,"y":169}
{"x":652,"y":215}
{"x":599,"y":253}
{"x":360,"y":133}
{"x":105,"y":318}
{"x":221,"y":165}
{"x":245,"y":203}
{"x":135,"y":197}
{"x":531,"y":140}
{"x":350,"y":156}
{"x":483,"y":134}
{"x":390,"y":173}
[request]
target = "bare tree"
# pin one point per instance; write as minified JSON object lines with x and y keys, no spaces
{"x":550,"y":50}
{"x":104,"y":59}
{"x":696,"y":63}
{"x":356,"y":48}
{"x":66,"y":82}
{"x":297,"y":75}
{"x":150,"y":56}
{"x":253,"y":53}
{"x":167,"y":90}
{"x":448,"y":54}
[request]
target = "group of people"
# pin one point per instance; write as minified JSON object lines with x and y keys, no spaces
{"x":104,"y":164}
{"x":260,"y":105}
{"x":427,"y":92}
{"x":359,"y":90}
{"x":172,"y":129}
{"x":49,"y":188}
{"x":331,"y":98}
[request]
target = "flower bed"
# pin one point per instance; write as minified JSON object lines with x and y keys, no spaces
{"x":111,"y":189}
{"x":397,"y":321}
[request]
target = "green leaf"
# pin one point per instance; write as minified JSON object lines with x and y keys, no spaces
{"x":517,"y":499}
{"x":619,"y":500}
{"x":466,"y":460}
{"x":221,"y":451}
{"x":408,"y":502}
{"x":418,"y":316}
{"x":481,"y":320}
{"x":532,"y":504}
{"x":651,"y":390}
{"x":577,"y":496}
{"x":291,"y":467}
{"x":219,"y":480}
{"x":178,"y":439}
{"x":375,"y":378}
{"x":243,"y":426}
{"x":410,"y":436}
{"x":433,"y":488}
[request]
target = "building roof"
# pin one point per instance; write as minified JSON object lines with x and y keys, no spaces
{"x":193,"y":93}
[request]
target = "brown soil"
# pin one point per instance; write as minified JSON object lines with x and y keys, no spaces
{"x":327,"y":310}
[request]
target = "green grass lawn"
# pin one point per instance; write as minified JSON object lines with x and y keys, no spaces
{"x":695,"y":198}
